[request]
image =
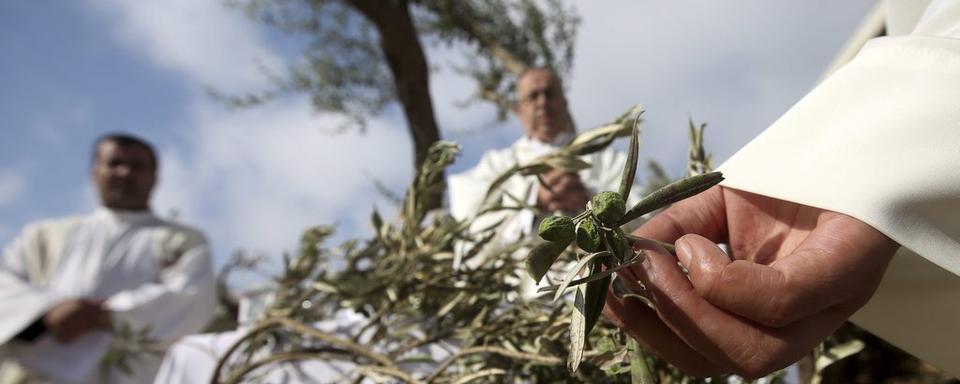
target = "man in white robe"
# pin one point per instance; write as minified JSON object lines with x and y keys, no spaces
{"x":860,"y":174}
{"x":66,"y":284}
{"x":541,"y":108}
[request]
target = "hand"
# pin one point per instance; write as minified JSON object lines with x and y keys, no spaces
{"x":563,"y":191}
{"x":796,"y":274}
{"x":70,"y":319}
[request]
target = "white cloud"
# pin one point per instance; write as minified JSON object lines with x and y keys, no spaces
{"x":736,"y":66}
{"x":55,"y":129}
{"x":211,"y":44}
{"x":6,"y":232}
{"x":256,"y":178}
{"x":13,"y":185}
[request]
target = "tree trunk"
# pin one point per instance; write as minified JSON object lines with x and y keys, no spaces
{"x":411,"y":78}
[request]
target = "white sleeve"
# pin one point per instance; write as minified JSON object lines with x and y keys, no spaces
{"x":181,"y":302}
{"x":879,"y":140}
{"x":20,"y":302}
{"x":23,"y":303}
{"x":605,"y":173}
{"x":940,"y":18}
{"x":468,"y":189}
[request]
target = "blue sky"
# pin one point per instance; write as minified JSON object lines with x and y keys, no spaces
{"x":72,"y":70}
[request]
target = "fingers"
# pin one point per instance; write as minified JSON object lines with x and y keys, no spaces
{"x":563,"y":192}
{"x":756,"y":291}
{"x":702,"y":214}
{"x":837,"y":264}
{"x":729,"y":341}
{"x":71,"y":319}
{"x":642,"y":323}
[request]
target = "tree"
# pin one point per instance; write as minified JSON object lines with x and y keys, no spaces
{"x":366,"y":54}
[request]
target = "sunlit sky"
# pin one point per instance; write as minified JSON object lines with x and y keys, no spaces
{"x":253,"y":179}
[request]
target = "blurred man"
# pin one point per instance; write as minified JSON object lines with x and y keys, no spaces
{"x":542,"y":110}
{"x":67,"y":284}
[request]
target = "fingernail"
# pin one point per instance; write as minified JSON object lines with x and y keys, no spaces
{"x":683,"y":251}
{"x":647,"y":265}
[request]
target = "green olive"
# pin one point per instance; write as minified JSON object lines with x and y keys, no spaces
{"x":619,"y":243}
{"x":609,"y":207}
{"x":589,"y":237}
{"x":557,"y":229}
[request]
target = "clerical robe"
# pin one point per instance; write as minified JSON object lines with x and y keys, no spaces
{"x":153,"y":274}
{"x":467,"y":190}
{"x":879,"y":140}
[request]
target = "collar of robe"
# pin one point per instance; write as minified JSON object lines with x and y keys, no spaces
{"x":122,"y":216}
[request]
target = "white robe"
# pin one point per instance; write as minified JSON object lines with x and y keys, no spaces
{"x":152,"y":273}
{"x":879,"y":140}
{"x":467,"y":190}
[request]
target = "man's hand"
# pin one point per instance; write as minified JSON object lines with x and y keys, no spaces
{"x":72,"y":318}
{"x":563,"y":192}
{"x":794,"y":275}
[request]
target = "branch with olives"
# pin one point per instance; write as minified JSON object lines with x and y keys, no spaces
{"x":601,"y":246}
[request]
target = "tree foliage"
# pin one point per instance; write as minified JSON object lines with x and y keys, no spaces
{"x":364,"y":55}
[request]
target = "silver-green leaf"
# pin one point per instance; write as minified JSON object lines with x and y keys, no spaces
{"x":578,"y":330}
{"x":671,"y":193}
{"x":630,"y":167}
{"x":542,"y":257}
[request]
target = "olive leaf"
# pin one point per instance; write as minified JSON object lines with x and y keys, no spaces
{"x":698,"y":161}
{"x":596,"y":276}
{"x":671,"y":193}
{"x":542,"y":257}
{"x":616,"y":128}
{"x":377,"y":222}
{"x":449,"y":306}
{"x":639,"y":370}
{"x":586,"y":142}
{"x":575,"y":271}
{"x":535,"y":168}
{"x":831,"y":355}
{"x":596,"y":295}
{"x":578,"y":330}
{"x":567,"y":163}
{"x":633,"y":240}
{"x":588,"y":305}
{"x":630,"y":167}
{"x":618,"y":244}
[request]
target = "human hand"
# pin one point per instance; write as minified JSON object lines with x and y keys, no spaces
{"x":562,"y":191}
{"x":795,"y":273}
{"x":72,"y":318}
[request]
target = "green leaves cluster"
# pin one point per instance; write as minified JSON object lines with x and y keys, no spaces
{"x":344,"y":70}
{"x":427,"y":280}
{"x":598,"y":233}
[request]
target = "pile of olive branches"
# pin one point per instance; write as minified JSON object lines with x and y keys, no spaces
{"x":427,"y":282}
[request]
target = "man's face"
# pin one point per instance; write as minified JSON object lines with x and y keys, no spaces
{"x":124,"y":175}
{"x":541,"y":106}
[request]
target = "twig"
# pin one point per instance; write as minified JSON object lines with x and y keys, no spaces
{"x":543,"y":360}
{"x":303,"y":329}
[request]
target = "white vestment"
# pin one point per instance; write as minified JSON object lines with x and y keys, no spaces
{"x":151,"y":273}
{"x":468,"y":189}
{"x":879,"y":140}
